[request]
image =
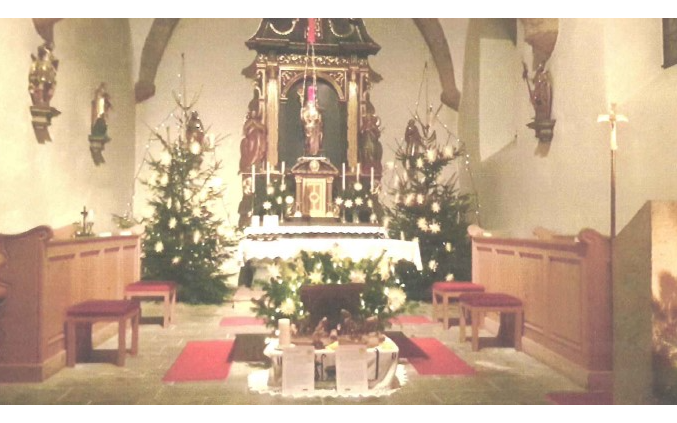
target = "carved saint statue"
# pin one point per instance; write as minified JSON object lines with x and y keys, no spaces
{"x":312,"y":128}
{"x":42,"y":76}
{"x":371,"y":150}
{"x":101,"y":104}
{"x":413,"y":140}
{"x":195,"y":131}
{"x":541,"y":93}
{"x":253,"y":146}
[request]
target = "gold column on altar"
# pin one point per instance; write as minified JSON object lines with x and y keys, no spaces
{"x":353,"y":109}
{"x":272,"y":110}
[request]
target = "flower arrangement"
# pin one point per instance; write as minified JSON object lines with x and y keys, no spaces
{"x":381,"y":298}
{"x":359,"y":204}
{"x":276,"y":199}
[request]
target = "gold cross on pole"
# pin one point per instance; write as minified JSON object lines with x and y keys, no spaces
{"x":613,"y":118}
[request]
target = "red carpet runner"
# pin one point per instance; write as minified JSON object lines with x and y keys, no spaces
{"x":441,"y":360}
{"x":580,"y":398}
{"x":201,"y":360}
{"x":241,"y":321}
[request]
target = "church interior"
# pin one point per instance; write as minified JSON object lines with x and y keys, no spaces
{"x":454,"y":210}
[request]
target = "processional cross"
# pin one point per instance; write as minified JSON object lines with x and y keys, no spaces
{"x":613,"y":118}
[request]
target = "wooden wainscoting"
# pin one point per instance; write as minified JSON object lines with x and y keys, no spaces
{"x":566,"y":289}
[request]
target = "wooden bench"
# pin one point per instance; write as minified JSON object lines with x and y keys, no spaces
{"x":476,"y":304}
{"x":444,"y":292}
{"x":155,"y":289}
{"x":94,"y":311}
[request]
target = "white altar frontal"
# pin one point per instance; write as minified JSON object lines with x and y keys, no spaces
{"x":347,"y":241}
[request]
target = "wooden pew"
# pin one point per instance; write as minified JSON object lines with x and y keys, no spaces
{"x":40,"y":278}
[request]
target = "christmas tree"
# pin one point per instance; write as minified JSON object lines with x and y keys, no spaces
{"x":184,"y":240}
{"x":429,"y":208}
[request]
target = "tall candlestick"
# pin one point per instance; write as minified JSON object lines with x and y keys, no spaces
{"x":267,"y":173}
{"x":284,"y":328}
{"x":371,"y":179}
{"x":253,"y":178}
{"x":343,"y":179}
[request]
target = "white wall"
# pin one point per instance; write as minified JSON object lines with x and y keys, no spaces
{"x":49,"y":184}
{"x":215,"y":56}
{"x":594,"y":62}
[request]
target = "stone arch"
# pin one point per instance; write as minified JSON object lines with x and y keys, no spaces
{"x":433,"y":34}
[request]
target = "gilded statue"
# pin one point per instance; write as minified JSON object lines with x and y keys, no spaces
{"x":42,"y":76}
{"x":413,"y":139}
{"x":541,"y":93}
{"x":312,"y":128}
{"x":371,"y":150}
{"x":254,"y":144}
{"x":101,"y":105}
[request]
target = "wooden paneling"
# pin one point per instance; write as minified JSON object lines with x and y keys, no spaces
{"x":45,"y":277}
{"x":566,"y":289}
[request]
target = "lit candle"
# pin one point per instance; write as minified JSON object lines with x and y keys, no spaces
{"x":371,"y":179}
{"x":253,"y":178}
{"x":343,"y":179}
{"x":282,"y":172}
{"x":357,"y":171}
{"x":284,"y":328}
{"x":267,"y":173}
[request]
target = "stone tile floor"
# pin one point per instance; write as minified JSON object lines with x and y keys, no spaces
{"x":504,"y":376}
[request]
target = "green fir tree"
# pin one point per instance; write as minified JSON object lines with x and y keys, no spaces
{"x":429,"y":208}
{"x":184,"y":240}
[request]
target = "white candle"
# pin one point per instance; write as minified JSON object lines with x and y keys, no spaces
{"x":371,"y":179}
{"x":253,"y":178}
{"x":282,"y":172}
{"x":284,"y":328}
{"x":267,"y":173}
{"x":357,"y":172}
{"x":343,"y":179}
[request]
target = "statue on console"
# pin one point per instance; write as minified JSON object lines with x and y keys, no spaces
{"x":541,"y":93}
{"x":312,"y":126}
{"x":254,"y":144}
{"x":42,"y":76}
{"x":371,"y":150}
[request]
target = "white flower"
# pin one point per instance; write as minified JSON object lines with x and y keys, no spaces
{"x":172,"y":223}
{"x":420,"y":198}
{"x":289,"y":199}
{"x":432,"y":265}
{"x":196,"y":236}
{"x":164,"y":179}
{"x":370,"y":203}
{"x":176,"y":260}
{"x":419,"y":163}
{"x":396,"y":298}
{"x":447,"y":246}
{"x":422,"y":223}
{"x":434,"y":227}
{"x":435,"y":207}
{"x":192,"y":174}
{"x":349,"y":203}
{"x":357,"y":276}
{"x":448,"y":152}
{"x":278,"y":200}
{"x":359,"y":201}
{"x":449,"y":277}
{"x":339,"y":200}
{"x":316,"y":277}
{"x":357,"y":186}
{"x":384,"y":269}
{"x":267,"y":205}
{"x":159,"y":247}
{"x":274,"y":271}
{"x":409,"y":200}
{"x":270,"y":190}
{"x":288,"y":307}
{"x":196,"y":212}
{"x":431,"y":154}
{"x":195,"y":148}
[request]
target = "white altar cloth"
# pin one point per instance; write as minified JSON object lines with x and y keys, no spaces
{"x":364,"y":230}
{"x":355,"y":249}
